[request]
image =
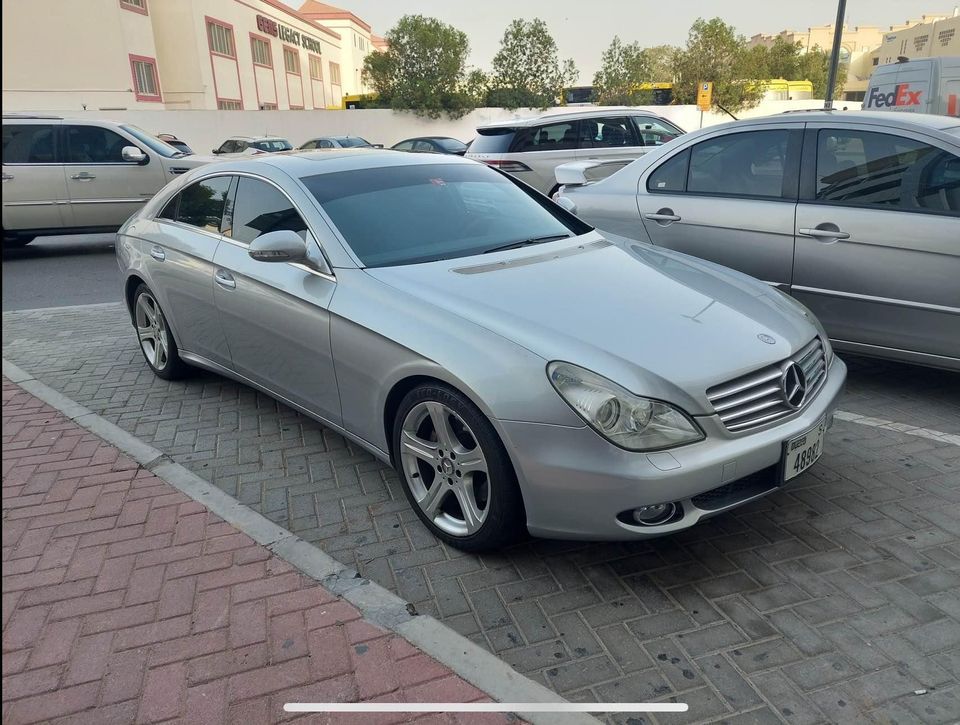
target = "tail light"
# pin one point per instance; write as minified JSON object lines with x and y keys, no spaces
{"x":511,"y":167}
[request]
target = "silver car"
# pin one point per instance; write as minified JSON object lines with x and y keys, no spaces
{"x":522,"y":371}
{"x":532,"y":148}
{"x":857,"y":215}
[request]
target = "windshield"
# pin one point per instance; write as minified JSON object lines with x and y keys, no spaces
{"x":349,"y":142}
{"x":161,"y":147}
{"x":451,"y":145}
{"x":273,"y":144}
{"x":425,"y":212}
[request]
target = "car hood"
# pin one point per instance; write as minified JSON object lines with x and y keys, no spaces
{"x":660,"y":323}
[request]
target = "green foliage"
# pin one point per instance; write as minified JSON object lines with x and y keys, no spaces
{"x":526,"y":70}
{"x":790,"y":62}
{"x":423,"y":70}
{"x":623,"y":67}
{"x":715,"y":52}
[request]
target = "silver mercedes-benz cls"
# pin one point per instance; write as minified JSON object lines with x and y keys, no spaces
{"x":522,"y":371}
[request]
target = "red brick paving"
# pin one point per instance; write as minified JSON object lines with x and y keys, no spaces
{"x":126,"y":601}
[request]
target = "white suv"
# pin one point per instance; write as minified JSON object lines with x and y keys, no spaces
{"x":532,"y":148}
{"x":74,"y":176}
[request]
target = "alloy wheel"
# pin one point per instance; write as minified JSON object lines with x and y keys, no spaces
{"x":445,"y":468}
{"x":152,"y":331}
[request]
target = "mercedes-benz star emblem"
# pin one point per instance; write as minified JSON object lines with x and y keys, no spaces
{"x":794,"y":385}
{"x":764,"y":337}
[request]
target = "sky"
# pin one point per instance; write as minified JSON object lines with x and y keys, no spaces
{"x":583,"y":29}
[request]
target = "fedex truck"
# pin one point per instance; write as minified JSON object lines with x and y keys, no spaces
{"x":925,"y":85}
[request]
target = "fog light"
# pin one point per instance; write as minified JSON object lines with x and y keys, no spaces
{"x":656,"y":514}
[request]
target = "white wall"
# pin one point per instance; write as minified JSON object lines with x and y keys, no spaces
{"x":205,"y":130}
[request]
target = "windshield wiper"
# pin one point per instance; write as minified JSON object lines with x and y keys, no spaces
{"x":527,"y":242}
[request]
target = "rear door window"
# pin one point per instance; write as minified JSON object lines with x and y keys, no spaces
{"x":201,"y":204}
{"x":550,"y":137}
{"x":671,"y":175}
{"x":29,"y":143}
{"x":751,"y":163}
{"x":607,"y":133}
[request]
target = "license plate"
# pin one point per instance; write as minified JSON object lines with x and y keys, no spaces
{"x":803,"y":451}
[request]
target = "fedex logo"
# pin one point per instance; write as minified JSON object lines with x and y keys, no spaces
{"x":901,"y":95}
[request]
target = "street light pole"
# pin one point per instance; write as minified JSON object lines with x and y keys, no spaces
{"x":835,"y":54}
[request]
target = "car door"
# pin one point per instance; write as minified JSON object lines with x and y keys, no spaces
{"x":275,"y":315}
{"x":34,"y":185}
{"x":730,"y":199}
{"x":542,"y":149}
{"x":179,"y":258}
{"x":878,"y":237}
{"x":104,"y":190}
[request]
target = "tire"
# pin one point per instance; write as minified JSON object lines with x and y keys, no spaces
{"x":422,"y":455}
{"x":156,"y":341}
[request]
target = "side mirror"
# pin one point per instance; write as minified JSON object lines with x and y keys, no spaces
{"x":216,"y":151}
{"x":280,"y":246}
{"x":133,"y":155}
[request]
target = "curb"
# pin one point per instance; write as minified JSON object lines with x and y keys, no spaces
{"x":474,"y":664}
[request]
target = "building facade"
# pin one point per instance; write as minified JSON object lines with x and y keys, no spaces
{"x":178,"y":54}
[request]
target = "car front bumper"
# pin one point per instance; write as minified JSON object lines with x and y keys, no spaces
{"x":575,"y":483}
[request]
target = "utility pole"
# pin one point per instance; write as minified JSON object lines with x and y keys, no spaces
{"x":835,"y":54}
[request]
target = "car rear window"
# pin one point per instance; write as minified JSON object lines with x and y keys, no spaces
{"x":451,"y":144}
{"x":421,"y":213}
{"x":492,"y":140}
{"x":276,"y":144}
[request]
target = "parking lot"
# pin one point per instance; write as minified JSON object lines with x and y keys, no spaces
{"x":834,"y":600}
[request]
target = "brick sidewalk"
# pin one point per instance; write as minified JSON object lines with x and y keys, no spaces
{"x":126,"y":601}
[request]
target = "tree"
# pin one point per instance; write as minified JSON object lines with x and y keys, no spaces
{"x":526,"y":70}
{"x":423,"y":69}
{"x":715,"y":52}
{"x":660,"y":61}
{"x":622,"y":69}
{"x":791,"y":62}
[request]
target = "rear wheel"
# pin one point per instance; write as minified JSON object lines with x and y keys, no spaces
{"x":455,"y":470}
{"x":156,"y":341}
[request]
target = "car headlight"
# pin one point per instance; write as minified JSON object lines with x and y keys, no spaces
{"x":626,"y":420}
{"x":812,"y":318}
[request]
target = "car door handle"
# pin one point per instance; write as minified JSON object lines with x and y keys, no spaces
{"x":158,"y":253}
{"x":223,"y":278}
{"x":7,"y":177}
{"x":83,"y":176}
{"x":816,"y":232}
{"x":663,"y":215}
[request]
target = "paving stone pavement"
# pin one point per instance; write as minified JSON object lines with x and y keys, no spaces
{"x":126,"y":601}
{"x":834,"y":600}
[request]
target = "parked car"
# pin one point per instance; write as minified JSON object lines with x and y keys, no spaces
{"x":75,"y":176}
{"x":432,"y":144}
{"x":248,"y":145}
{"x":339,"y":142}
{"x":520,"y":369}
{"x":532,"y":148}
{"x":172,"y":140}
{"x":857,"y":215}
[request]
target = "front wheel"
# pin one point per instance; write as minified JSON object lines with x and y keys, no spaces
{"x":156,"y":341}
{"x":455,"y":470}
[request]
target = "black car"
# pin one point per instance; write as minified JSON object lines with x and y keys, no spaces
{"x":432,"y":145}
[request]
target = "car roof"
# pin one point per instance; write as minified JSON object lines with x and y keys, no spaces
{"x":256,"y":138}
{"x":300,"y":164}
{"x":571,"y":115}
{"x":885,"y":118}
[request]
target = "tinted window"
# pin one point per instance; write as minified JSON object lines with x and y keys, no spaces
{"x":260,"y":208}
{"x":228,"y":147}
{"x":28,"y":144}
{"x":553,"y":137}
{"x":670,"y":175}
{"x":606,"y":133}
{"x":492,"y":141}
{"x":170,"y":210}
{"x":740,"y":164}
{"x":451,"y":145}
{"x":201,"y":204}
{"x":350,"y":142}
{"x":862,"y":168}
{"x":309,"y":145}
{"x":93,"y":145}
{"x":404,"y":146}
{"x":159,"y":145}
{"x":423,"y":146}
{"x":654,"y":132}
{"x":410,"y":214}
{"x":275,"y":144}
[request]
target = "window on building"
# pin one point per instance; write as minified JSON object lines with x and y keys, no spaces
{"x":863,"y":168}
{"x":138,"y":6}
{"x":876,"y":61}
{"x":146,"y":82}
{"x":945,"y":36}
{"x":335,"y":74}
{"x":261,"y":52}
{"x":260,"y":208}
{"x":291,"y":61}
{"x":28,"y":144}
{"x":221,"y":39}
{"x":268,"y":106}
{"x":316,"y":68}
{"x":225,"y":104}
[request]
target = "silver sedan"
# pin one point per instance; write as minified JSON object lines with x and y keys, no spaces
{"x":857,"y":215}
{"x":522,"y":371}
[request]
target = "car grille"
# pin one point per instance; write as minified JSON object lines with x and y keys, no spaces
{"x":177,"y":170}
{"x":759,"y":397}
